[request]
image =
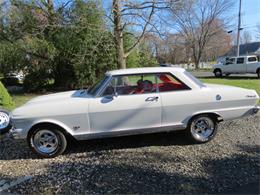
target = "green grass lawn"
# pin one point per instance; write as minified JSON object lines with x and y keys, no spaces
{"x":244,"y":83}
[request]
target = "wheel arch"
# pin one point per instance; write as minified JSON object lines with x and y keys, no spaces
{"x":62,"y":127}
{"x":214,"y":115}
{"x":258,"y":69}
{"x":215,"y":69}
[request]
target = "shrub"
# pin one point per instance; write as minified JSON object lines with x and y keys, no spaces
{"x":36,"y":81}
{"x":10,"y":81}
{"x":5,"y":99}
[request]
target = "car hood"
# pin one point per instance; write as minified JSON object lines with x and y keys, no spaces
{"x":58,"y":96}
{"x":53,"y":104}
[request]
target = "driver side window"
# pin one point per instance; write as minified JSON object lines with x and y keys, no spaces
{"x":230,"y":61}
{"x":131,"y":85}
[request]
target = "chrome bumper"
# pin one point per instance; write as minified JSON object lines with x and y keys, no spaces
{"x":256,"y":109}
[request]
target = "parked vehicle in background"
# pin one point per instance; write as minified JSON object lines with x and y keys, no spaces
{"x":18,"y":76}
{"x":238,"y":65}
{"x":127,"y":102}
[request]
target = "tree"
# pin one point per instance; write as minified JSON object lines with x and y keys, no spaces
{"x":198,"y":22}
{"x":246,"y":37}
{"x":127,"y":14}
{"x":66,"y":44}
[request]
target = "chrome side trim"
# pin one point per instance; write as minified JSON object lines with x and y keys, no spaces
{"x":119,"y":133}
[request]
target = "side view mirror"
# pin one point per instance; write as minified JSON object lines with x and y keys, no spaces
{"x":111,"y":96}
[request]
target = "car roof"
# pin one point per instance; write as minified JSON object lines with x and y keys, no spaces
{"x":242,"y":56}
{"x":145,"y":70}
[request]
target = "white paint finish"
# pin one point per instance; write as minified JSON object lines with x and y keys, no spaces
{"x":131,"y":113}
{"x":124,"y":112}
{"x":145,"y":70}
{"x":5,"y":185}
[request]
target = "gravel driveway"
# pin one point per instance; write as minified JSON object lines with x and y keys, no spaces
{"x":157,"y":163}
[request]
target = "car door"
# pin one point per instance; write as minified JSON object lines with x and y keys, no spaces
{"x":251,"y":64}
{"x":229,"y":66}
{"x":124,"y":105}
{"x":176,"y":100}
{"x":240,"y":66}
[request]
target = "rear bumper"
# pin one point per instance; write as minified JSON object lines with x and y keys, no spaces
{"x":256,"y":109}
{"x":253,"y":111}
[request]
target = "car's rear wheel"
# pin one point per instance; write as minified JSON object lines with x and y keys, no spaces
{"x":218,"y":73}
{"x":47,"y":141}
{"x":202,"y":128}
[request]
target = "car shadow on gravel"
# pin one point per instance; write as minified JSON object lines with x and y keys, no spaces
{"x":225,"y":175}
{"x":9,"y":147}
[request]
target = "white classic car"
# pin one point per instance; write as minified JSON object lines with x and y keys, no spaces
{"x":127,"y":102}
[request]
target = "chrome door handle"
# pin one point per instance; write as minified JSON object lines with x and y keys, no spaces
{"x":150,"y":99}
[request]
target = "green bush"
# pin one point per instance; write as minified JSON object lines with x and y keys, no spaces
{"x":36,"y":81}
{"x":5,"y":99}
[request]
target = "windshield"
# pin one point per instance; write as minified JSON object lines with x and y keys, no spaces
{"x":194,"y":79}
{"x":94,"y":89}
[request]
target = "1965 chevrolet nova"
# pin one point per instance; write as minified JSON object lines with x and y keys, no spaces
{"x":126,"y":102}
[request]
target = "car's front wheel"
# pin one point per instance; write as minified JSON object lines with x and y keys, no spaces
{"x":202,"y":129}
{"x":47,"y":141}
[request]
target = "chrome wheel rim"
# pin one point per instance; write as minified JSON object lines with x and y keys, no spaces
{"x":45,"y":141}
{"x":4,"y":120}
{"x":202,"y":128}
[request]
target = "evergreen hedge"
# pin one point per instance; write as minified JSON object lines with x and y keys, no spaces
{"x":6,"y":101}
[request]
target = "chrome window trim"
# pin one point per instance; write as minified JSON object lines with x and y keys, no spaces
{"x":101,"y":89}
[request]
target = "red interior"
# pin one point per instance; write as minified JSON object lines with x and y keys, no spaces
{"x":166,"y":85}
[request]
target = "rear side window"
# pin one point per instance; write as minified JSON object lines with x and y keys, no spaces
{"x":252,"y":59}
{"x":167,"y":82}
{"x":240,"y":60}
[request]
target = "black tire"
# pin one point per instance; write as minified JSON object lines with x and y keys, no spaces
{"x":218,"y":73}
{"x":258,"y":73}
{"x":197,"y":139}
{"x":6,"y":127}
{"x":61,"y":141}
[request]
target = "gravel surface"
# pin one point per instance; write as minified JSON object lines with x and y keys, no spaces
{"x":156,"y":163}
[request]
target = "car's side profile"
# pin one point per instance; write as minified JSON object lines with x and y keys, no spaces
{"x":238,"y":65}
{"x":127,"y":102}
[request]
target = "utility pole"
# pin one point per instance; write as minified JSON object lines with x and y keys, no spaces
{"x":238,"y":27}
